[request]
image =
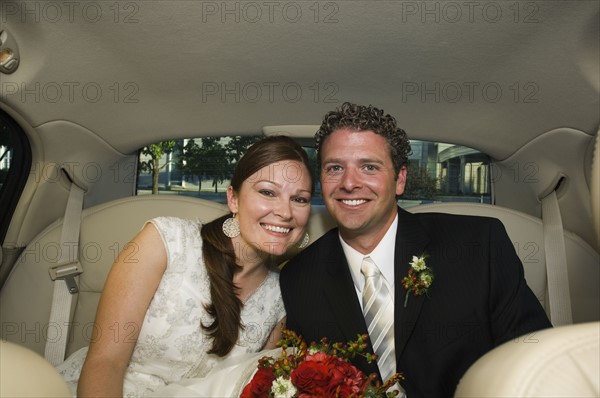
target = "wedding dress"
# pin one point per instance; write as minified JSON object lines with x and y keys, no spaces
{"x":171,"y":345}
{"x":226,"y":380}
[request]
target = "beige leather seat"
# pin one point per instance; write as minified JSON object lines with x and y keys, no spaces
{"x":105,"y":229}
{"x":526,"y":233}
{"x":27,"y":374}
{"x":26,"y":298}
{"x":559,"y":362}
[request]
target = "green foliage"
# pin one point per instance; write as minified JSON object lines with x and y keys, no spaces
{"x":215,"y":159}
{"x":419,"y":184}
{"x":211,"y":159}
{"x":205,"y":158}
{"x":238,"y":146}
{"x":192,"y":161}
{"x":152,"y":165}
{"x":314,"y":164}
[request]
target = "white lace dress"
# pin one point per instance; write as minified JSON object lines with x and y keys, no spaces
{"x":171,"y":345}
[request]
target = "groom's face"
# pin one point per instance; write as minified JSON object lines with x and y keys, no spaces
{"x":359,"y":183}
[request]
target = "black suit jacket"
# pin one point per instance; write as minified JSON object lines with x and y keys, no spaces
{"x":478,"y":299}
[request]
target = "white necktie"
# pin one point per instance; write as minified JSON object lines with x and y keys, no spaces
{"x":378,"y":310}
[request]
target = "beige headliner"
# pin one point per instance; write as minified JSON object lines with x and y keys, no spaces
{"x":175,"y":52}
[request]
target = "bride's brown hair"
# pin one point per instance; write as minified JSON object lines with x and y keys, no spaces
{"x":218,"y":251}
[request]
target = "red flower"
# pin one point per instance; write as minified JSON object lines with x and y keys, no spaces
{"x":326,"y":373}
{"x":318,"y":356}
{"x":260,"y":385}
{"x":345,"y":378}
{"x":311,"y":377}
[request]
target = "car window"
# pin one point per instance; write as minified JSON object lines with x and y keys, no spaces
{"x":15,"y":163}
{"x":441,"y":172}
{"x":202,"y":167}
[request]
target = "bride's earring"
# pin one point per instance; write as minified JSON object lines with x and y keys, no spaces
{"x":305,"y":241}
{"x":231,"y":227}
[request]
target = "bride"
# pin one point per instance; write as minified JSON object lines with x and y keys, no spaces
{"x":195,"y":298}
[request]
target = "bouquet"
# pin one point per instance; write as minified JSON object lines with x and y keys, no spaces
{"x":318,"y":370}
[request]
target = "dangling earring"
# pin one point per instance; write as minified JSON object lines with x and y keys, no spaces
{"x":231,"y":227}
{"x":305,"y":241}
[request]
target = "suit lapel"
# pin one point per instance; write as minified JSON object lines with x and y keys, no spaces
{"x":341,"y":292}
{"x":342,"y":297}
{"x":411,"y":240}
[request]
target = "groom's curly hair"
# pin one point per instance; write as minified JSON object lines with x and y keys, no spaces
{"x":366,"y":118}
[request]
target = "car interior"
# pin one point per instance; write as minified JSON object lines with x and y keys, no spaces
{"x":85,"y":86}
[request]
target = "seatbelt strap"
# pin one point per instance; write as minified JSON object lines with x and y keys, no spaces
{"x":65,"y":276}
{"x":559,"y":295}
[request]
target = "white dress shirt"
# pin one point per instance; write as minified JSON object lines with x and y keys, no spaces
{"x":382,"y":256}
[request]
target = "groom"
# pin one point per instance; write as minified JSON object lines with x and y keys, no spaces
{"x":477,"y":299}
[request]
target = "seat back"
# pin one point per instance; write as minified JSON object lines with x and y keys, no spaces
{"x":558,"y":362}
{"x":27,"y":374}
{"x":26,"y":298}
{"x":526,"y":233}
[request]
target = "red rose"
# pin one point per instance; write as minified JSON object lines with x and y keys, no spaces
{"x":260,"y":385}
{"x":345,"y":379}
{"x":338,"y":375}
{"x":311,"y":377}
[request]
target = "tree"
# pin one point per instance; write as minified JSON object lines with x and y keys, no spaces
{"x":313,"y":162}
{"x":209,"y":159}
{"x":419,"y":184}
{"x":192,"y":162}
{"x":237,"y":147}
{"x":156,"y":152}
{"x":215,"y":158}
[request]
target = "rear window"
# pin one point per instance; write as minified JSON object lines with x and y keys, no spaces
{"x":440,"y":172}
{"x":202,"y":167}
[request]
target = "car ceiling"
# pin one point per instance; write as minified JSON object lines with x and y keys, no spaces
{"x":492,"y":75}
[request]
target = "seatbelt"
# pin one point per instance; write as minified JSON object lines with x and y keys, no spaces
{"x":559,"y":295}
{"x":65,"y":276}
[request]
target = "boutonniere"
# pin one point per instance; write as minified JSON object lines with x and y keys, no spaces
{"x":419,"y":278}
